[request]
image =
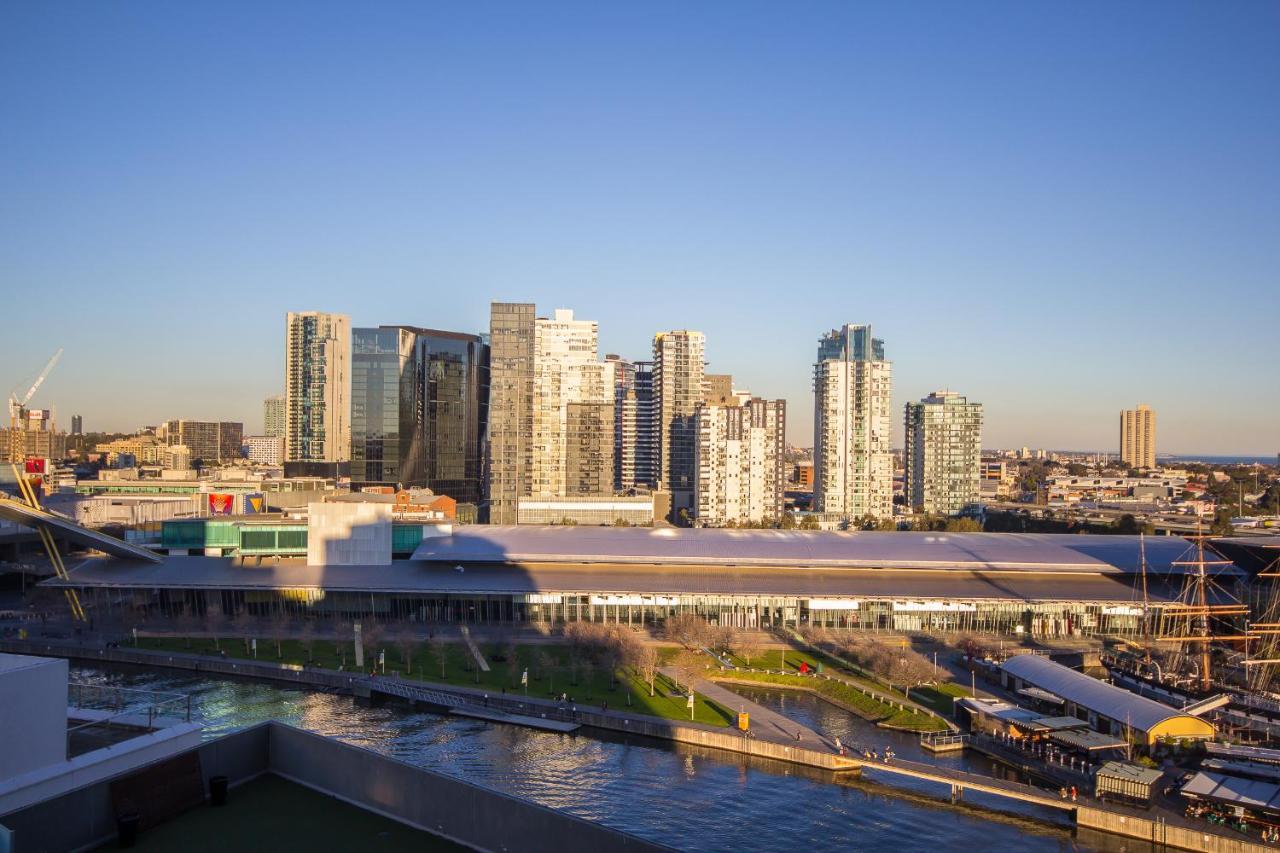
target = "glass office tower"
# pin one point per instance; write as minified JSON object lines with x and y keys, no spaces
{"x":419,"y":409}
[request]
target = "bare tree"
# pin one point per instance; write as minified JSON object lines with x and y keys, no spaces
{"x":440,"y":651}
{"x":726,"y":639}
{"x":307,"y":639}
{"x":243,"y":624}
{"x":748,"y":648}
{"x":686,"y":629}
{"x":187,"y":624}
{"x":213,"y":622}
{"x":646,"y":663}
{"x":370,"y":637}
{"x":543,"y":663}
{"x":687,"y":664}
{"x":407,"y":645}
{"x":610,"y":653}
{"x":512,"y":653}
{"x":342,"y":631}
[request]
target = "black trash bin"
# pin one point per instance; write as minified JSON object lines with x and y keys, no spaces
{"x":127,"y":828}
{"x":217,"y":790}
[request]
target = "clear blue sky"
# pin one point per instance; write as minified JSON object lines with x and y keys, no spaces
{"x":1058,"y":209}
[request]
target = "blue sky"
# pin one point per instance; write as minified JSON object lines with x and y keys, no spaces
{"x":1058,"y":209}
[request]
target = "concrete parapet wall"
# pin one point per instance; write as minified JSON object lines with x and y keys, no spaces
{"x":476,"y":817}
{"x":68,"y":806}
{"x":471,"y":815}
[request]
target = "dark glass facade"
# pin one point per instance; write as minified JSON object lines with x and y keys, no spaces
{"x":419,"y":409}
{"x":381,"y":386}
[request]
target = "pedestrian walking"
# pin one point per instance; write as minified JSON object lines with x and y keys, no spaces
{"x":1073,"y":793}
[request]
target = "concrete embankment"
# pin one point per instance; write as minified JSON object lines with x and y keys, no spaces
{"x":1162,"y":834}
{"x":433,"y":694}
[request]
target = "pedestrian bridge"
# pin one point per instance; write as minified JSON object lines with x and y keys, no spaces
{"x":959,"y":781}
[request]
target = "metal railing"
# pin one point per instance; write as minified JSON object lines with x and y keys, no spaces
{"x":127,"y":706}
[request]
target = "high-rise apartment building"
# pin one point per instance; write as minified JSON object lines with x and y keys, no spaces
{"x":943,"y":453}
{"x":635,"y":431}
{"x":740,"y":459}
{"x":551,"y":409}
{"x":1138,"y":437}
{"x":853,"y":464}
{"x":573,"y":411}
{"x":317,"y":387}
{"x":678,"y":369}
{"x":624,"y":380}
{"x":210,"y":442}
{"x":273,"y":417}
{"x":264,"y":449}
{"x":419,"y":408}
{"x":511,"y":359}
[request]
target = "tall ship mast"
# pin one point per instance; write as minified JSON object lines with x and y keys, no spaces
{"x":1262,"y":657}
{"x":1190,"y":623}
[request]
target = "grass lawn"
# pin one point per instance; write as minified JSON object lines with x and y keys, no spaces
{"x":847,"y":695}
{"x":550,"y":671}
{"x":939,"y":696}
{"x":935,"y":697}
{"x":773,"y":659}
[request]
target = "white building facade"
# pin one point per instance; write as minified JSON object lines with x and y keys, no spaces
{"x":853,"y":463}
{"x":678,"y":370}
{"x":317,"y":387}
{"x":265,"y":450}
{"x":739,"y":460}
{"x":573,"y":409}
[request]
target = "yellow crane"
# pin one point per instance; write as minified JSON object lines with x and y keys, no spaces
{"x":50,"y":547}
{"x":17,"y":453}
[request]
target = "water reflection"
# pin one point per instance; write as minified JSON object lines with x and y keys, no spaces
{"x":691,"y":798}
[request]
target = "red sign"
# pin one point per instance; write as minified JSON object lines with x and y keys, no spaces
{"x":221,"y":504}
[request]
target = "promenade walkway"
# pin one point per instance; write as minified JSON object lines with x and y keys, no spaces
{"x":765,"y":723}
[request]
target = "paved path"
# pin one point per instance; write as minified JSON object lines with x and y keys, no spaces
{"x":766,"y":724}
{"x":475,"y":650}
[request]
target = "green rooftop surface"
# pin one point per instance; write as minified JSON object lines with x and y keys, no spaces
{"x":271,"y":813}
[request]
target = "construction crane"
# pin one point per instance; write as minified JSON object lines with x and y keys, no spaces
{"x":18,"y":407}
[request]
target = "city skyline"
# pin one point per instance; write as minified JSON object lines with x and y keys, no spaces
{"x":799,"y":427}
{"x":1010,"y":196}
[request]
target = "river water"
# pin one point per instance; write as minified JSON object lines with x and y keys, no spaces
{"x":689,"y":799}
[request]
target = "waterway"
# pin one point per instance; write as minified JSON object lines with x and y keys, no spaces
{"x":692,"y":800}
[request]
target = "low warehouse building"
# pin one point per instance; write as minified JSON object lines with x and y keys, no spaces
{"x":1107,"y":708}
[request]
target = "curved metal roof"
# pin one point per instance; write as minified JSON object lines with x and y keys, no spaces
{"x":803,"y":548}
{"x":580,"y":578}
{"x":1108,"y":700}
{"x":58,"y":525}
